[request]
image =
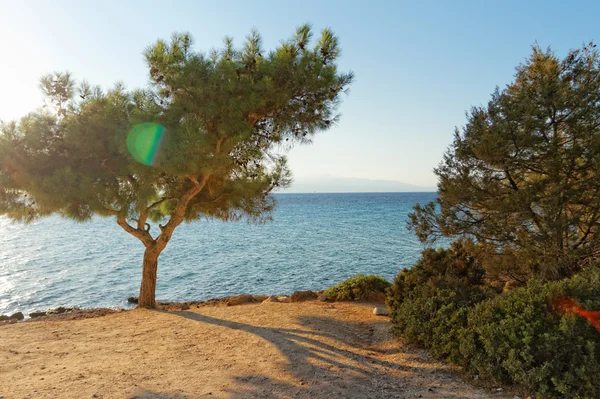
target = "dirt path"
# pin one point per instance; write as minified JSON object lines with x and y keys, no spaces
{"x":271,"y":350}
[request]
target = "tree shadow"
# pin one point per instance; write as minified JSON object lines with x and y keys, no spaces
{"x":150,"y":394}
{"x":358,"y":335}
{"x":326,"y":359}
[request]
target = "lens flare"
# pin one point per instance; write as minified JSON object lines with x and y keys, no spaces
{"x":568,"y":305}
{"x":144,"y":142}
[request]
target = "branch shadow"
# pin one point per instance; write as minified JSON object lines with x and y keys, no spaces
{"x":314,"y":367}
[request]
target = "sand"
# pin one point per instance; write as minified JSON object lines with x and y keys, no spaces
{"x":269,"y":350}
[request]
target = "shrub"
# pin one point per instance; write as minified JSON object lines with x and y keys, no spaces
{"x":429,"y":302}
{"x":519,"y":338}
{"x":357,"y":288}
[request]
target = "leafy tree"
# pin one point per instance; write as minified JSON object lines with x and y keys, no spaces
{"x":224,"y":119}
{"x":522,"y":177}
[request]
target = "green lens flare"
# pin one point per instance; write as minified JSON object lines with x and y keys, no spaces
{"x":144,"y":141}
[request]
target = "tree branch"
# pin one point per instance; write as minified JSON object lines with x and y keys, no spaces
{"x":179,"y":214}
{"x":533,"y":215}
{"x":141,"y":234}
{"x":157,"y":203}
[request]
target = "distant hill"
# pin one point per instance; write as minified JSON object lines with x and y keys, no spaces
{"x":330,"y":184}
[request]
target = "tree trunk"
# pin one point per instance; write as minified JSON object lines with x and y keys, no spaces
{"x":148,"y":287}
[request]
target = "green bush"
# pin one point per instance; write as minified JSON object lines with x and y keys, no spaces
{"x":430,"y":301}
{"x":519,"y":338}
{"x":357,"y":288}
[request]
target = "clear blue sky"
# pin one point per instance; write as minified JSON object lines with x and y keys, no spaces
{"x":419,"y":65}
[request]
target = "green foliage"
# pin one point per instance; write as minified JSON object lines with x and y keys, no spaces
{"x":225,"y":116}
{"x":357,"y":288}
{"x":228,"y":116}
{"x":429,"y":302}
{"x":520,"y":338}
{"x":522,"y":175}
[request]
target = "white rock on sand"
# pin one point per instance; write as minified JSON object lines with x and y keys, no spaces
{"x":378,"y":311}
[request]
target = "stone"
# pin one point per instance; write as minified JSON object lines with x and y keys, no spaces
{"x":271,"y":298}
{"x":299,"y":296}
{"x":57,"y":310}
{"x":37,"y":313}
{"x":239,"y":299}
{"x":260,"y":298}
{"x":322,"y":298}
{"x":132,"y":299}
{"x":378,"y":311}
{"x":283,"y":299}
{"x":375,"y":296}
{"x":17,"y":316}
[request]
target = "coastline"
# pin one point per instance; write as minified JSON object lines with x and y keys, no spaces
{"x":74,"y":313}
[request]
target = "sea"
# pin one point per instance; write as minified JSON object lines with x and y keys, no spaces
{"x":314,"y":241}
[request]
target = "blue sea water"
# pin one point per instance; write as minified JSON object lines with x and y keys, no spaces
{"x":314,"y":241}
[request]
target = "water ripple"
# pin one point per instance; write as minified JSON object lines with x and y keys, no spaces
{"x":314,"y":241}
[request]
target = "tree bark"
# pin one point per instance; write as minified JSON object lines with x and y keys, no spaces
{"x":154,"y":247}
{"x":147,"y":297}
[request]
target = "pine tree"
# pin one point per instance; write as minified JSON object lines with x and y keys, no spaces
{"x":522,"y":178}
{"x":205,"y":140}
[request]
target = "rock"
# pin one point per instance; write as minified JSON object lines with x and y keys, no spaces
{"x":332,"y":306}
{"x":57,"y":310}
{"x":17,"y":316}
{"x":378,"y":297}
{"x":271,"y":298}
{"x":132,"y":299}
{"x":322,"y":298}
{"x":239,"y":299}
{"x":378,"y":311}
{"x":37,"y":313}
{"x":4,"y":317}
{"x":260,"y":298}
{"x":283,"y":299}
{"x":299,"y":296}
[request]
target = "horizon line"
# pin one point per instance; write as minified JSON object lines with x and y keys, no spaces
{"x":358,"y":192}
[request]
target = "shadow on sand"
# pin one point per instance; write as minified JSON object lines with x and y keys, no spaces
{"x":327,"y":358}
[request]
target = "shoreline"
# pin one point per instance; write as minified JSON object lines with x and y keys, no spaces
{"x":74,"y":313}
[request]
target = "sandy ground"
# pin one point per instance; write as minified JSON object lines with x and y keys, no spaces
{"x":270,"y":350}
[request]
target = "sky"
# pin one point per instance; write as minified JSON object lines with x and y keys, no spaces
{"x":419,"y":65}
